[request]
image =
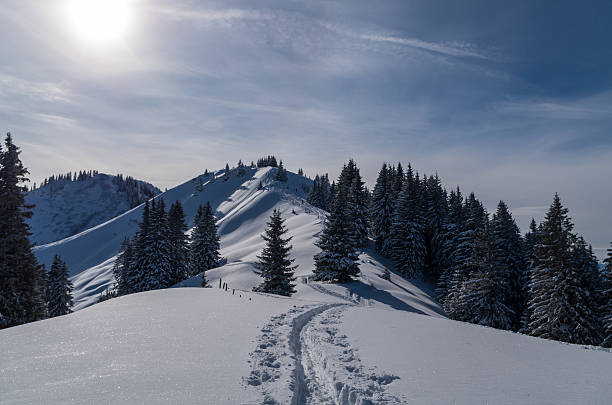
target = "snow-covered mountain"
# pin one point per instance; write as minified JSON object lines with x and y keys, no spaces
{"x":64,"y":207}
{"x":371,"y":341}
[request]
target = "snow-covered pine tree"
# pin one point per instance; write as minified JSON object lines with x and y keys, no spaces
{"x":531,"y":239}
{"x":452,"y":224}
{"x":559,"y":300}
{"x":358,"y":207}
{"x":483,"y":295}
{"x":300,"y":172}
{"x":465,"y":258}
{"x":160,"y":273}
{"x":59,"y":289}
{"x":407,"y":244}
{"x":204,"y":248}
{"x":226,"y":172}
{"x":435,"y":211}
{"x":179,"y":241}
{"x":135,"y":274}
{"x":381,"y":214}
{"x":274,"y":264}
{"x":123,"y":268}
{"x":398,"y":181}
{"x":241,"y":169}
{"x":509,"y":256}
{"x":337,"y":261}
{"x":607,"y":300}
{"x":314,"y":195}
{"x":22,"y":279}
{"x":281,"y":174}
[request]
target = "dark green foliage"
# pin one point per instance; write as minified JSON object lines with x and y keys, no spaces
{"x":179,"y":241}
{"x":59,"y":289}
{"x":274,"y":264}
{"x":337,"y":261}
{"x":204,"y":248}
{"x":22,"y":279}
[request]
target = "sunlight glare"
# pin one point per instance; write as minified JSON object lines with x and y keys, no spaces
{"x":99,"y":21}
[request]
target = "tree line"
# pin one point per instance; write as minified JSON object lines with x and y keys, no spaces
{"x":546,"y":283}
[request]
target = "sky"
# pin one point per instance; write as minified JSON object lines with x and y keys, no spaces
{"x":511,"y":100}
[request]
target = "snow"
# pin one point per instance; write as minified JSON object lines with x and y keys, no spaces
{"x":66,"y":208}
{"x":444,"y":361}
{"x":369,"y":341}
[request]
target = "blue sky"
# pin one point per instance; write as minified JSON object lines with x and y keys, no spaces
{"x":512,"y":100}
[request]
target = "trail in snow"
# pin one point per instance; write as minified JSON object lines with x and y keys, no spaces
{"x":301,"y":359}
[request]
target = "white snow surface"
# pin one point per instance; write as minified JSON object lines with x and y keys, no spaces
{"x":65,"y":208}
{"x":370,"y":341}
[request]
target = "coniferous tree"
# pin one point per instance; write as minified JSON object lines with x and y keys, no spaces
{"x":465,"y":257}
{"x":59,"y":289}
{"x":435,"y":212}
{"x":160,"y":273}
{"x":407,"y":244}
{"x":135,"y":274}
{"x":179,"y":242}
{"x":452,"y":225}
{"x":531,"y":240}
{"x":381,"y":214}
{"x":559,"y":300}
{"x":281,"y":174}
{"x":483,"y":295}
{"x":607,"y":300}
{"x":22,"y":279}
{"x":337,"y":261}
{"x":508,"y":253}
{"x":274,"y":264}
{"x":123,"y":268}
{"x":204,"y":248}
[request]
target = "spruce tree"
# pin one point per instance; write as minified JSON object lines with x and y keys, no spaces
{"x":531,"y":240}
{"x":381,"y":213}
{"x":59,"y":289}
{"x":337,"y":261}
{"x":160,"y":273}
{"x":179,"y":242}
{"x":607,"y":300}
{"x":483,"y":295}
{"x":509,"y":256}
{"x":274,"y":264}
{"x":452,"y":224}
{"x":407,"y":244}
{"x":466,"y":257}
{"x":135,"y":274}
{"x":123,"y":268}
{"x":559,"y":300}
{"x":204,"y":248}
{"x":22,"y":279}
{"x":281,"y":174}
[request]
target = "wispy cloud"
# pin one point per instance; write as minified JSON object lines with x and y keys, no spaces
{"x":213,"y":15}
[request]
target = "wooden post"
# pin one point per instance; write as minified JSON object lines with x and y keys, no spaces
{"x":219,"y":282}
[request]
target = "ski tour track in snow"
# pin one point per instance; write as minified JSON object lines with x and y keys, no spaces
{"x":305,"y":344}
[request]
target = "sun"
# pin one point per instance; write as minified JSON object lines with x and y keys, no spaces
{"x":99,"y":21}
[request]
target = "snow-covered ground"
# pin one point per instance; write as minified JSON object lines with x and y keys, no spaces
{"x":64,"y":208}
{"x":371,"y":341}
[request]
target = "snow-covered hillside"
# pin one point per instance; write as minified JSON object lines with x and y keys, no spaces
{"x":208,"y":346}
{"x":370,"y":341}
{"x":63,"y":208}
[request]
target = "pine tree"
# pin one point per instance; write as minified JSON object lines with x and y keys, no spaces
{"x":607,"y":300}
{"x":466,"y":256}
{"x":483,"y":295}
{"x":337,"y":261}
{"x":358,"y":206}
{"x":179,"y":241}
{"x":407,"y":244}
{"x":531,"y":240}
{"x":381,"y":214}
{"x":59,"y":289}
{"x":452,"y":224}
{"x":509,"y":256}
{"x":123,"y":268}
{"x":435,"y":212}
{"x":558,"y":305}
{"x":226,"y":172}
{"x":135,"y":274}
{"x":281,"y":173}
{"x":22,"y":279}
{"x":274,"y":264}
{"x":160,"y":272}
{"x":204,"y":248}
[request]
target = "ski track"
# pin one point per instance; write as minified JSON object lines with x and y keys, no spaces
{"x":301,"y":359}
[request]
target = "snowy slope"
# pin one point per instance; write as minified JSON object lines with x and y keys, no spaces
{"x":64,"y":208}
{"x":205,"y":345}
{"x":370,"y":341}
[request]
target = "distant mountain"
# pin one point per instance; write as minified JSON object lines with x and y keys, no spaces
{"x":66,"y":205}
